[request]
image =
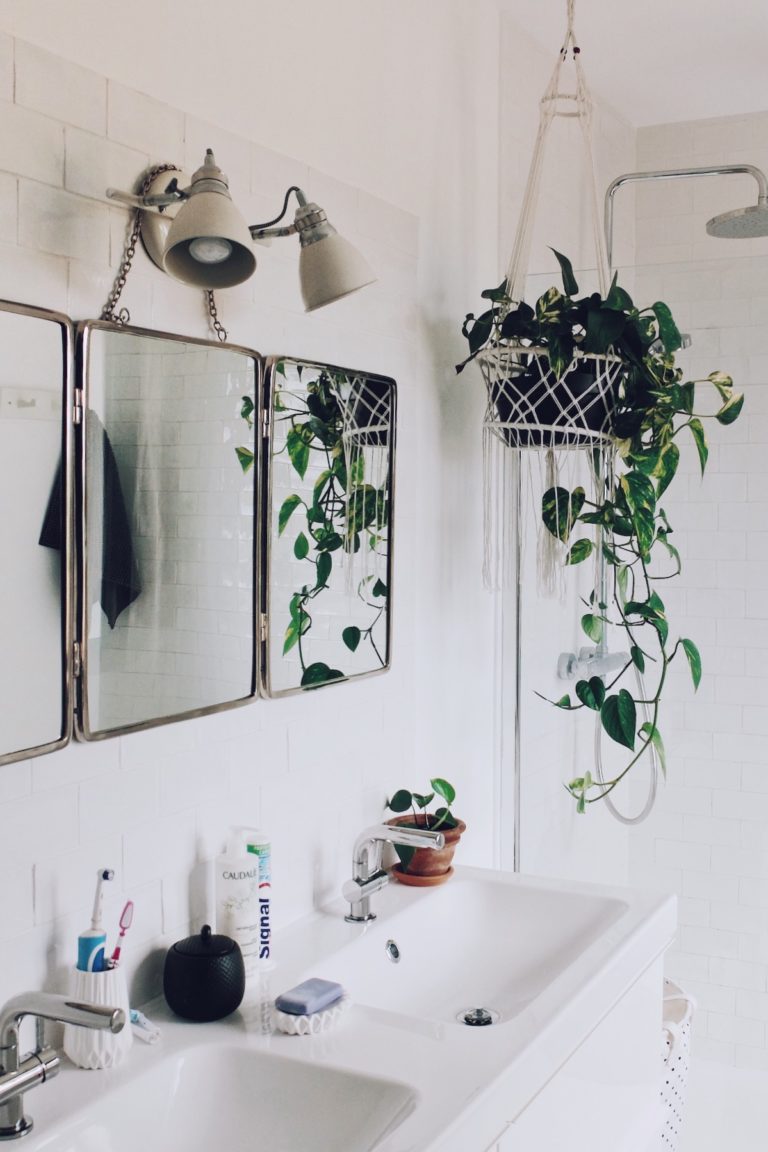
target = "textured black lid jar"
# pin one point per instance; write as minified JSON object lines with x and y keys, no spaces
{"x":204,"y":976}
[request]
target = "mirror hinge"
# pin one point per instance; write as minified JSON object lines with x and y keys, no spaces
{"x":263,"y":629}
{"x":77,"y":663}
{"x":77,"y":409}
{"x":266,"y":423}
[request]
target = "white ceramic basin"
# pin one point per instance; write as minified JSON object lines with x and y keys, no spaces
{"x":471,"y":944}
{"x":231,"y":1098}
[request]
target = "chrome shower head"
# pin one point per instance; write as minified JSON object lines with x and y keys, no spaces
{"x":740,"y":223}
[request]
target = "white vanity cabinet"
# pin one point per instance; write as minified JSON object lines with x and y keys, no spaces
{"x":606,"y":1096}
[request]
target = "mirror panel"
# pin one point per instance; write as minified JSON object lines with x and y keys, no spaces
{"x":326,"y":535}
{"x":166,"y":598}
{"x":36,"y":519}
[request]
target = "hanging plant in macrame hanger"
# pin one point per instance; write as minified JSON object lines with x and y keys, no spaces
{"x":596,"y":374}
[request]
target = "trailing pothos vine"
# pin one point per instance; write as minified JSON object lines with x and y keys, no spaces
{"x":344,"y":513}
{"x":654,"y":406}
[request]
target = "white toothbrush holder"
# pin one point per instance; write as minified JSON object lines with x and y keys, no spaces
{"x":98,"y":1047}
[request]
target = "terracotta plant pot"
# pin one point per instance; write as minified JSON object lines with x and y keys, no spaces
{"x":428,"y":866}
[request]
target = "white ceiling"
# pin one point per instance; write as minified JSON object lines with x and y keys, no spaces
{"x":658,"y":61}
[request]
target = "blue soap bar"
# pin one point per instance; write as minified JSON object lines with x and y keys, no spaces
{"x":310,"y":996}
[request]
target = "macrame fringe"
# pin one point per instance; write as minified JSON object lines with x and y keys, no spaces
{"x":502,"y":539}
{"x":367,"y":409}
{"x":550,"y":552}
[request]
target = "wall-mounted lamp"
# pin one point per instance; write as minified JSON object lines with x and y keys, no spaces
{"x":198,"y":236}
{"x":329,"y":266}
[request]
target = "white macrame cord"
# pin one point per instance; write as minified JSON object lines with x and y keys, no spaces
{"x":529,"y":406}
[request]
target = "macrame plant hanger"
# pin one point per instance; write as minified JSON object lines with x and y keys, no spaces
{"x":367,"y":410}
{"x":529,"y":407}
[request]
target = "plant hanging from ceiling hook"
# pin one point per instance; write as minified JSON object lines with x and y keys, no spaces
{"x":591,"y":372}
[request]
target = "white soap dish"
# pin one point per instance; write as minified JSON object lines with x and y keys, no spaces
{"x":314,"y":1023}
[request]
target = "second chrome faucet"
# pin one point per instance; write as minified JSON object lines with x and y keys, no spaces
{"x":367,"y":874}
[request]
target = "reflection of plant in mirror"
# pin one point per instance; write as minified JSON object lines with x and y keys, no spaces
{"x":315,"y":437}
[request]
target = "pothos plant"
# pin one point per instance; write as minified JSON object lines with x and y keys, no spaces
{"x":567,"y":324}
{"x":404,"y":801}
{"x":343,"y":513}
{"x":654,"y":405}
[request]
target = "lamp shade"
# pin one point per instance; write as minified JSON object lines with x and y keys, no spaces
{"x":330,"y":268}
{"x":208,"y":244}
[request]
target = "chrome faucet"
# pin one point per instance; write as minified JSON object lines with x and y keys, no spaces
{"x":17,"y":1076}
{"x":367,"y":874}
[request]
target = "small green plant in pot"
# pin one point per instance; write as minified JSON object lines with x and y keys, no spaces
{"x":426,"y":866}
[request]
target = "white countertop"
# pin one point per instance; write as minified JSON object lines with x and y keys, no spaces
{"x":468,"y":1083}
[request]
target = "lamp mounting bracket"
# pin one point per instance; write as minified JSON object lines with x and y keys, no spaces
{"x":260,"y":230}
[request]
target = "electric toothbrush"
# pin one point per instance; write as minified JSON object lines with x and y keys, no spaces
{"x":91,"y":944}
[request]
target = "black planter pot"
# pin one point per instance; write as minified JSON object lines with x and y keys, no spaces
{"x":371,"y":408}
{"x":550,"y":412}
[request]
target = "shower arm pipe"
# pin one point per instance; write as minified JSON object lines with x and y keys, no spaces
{"x":674,"y":174}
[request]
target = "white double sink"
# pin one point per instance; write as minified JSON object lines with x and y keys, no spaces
{"x":401,"y":1072}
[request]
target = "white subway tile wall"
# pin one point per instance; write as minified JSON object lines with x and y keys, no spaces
{"x":717,"y":861}
{"x":312,"y":770}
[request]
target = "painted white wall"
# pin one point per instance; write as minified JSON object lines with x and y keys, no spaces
{"x":658,"y":63}
{"x":346,"y":89}
{"x":708,"y":837}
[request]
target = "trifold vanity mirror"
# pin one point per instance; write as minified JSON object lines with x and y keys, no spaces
{"x":167,"y":528}
{"x":326,"y":535}
{"x":185,"y":525}
{"x":36,"y":525}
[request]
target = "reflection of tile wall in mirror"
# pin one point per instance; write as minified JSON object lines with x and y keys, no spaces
{"x":33,"y":585}
{"x":170,"y":527}
{"x":328,"y":535}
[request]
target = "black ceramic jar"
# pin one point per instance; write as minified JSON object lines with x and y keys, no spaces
{"x":204,"y":976}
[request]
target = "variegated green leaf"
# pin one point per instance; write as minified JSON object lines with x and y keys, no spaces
{"x":694,"y":661}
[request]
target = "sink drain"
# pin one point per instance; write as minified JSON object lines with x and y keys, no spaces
{"x":477,"y":1017}
{"x":392,"y":951}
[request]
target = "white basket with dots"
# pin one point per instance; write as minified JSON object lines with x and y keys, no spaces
{"x":676,"y":1030}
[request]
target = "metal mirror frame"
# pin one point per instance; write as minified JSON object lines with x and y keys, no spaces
{"x":67,"y":555}
{"x":82,"y":726}
{"x":265,"y":528}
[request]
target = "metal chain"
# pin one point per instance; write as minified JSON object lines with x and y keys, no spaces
{"x":216,"y":324}
{"x":108,"y":311}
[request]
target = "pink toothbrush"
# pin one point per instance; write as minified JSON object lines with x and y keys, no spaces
{"x":126,"y":919}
